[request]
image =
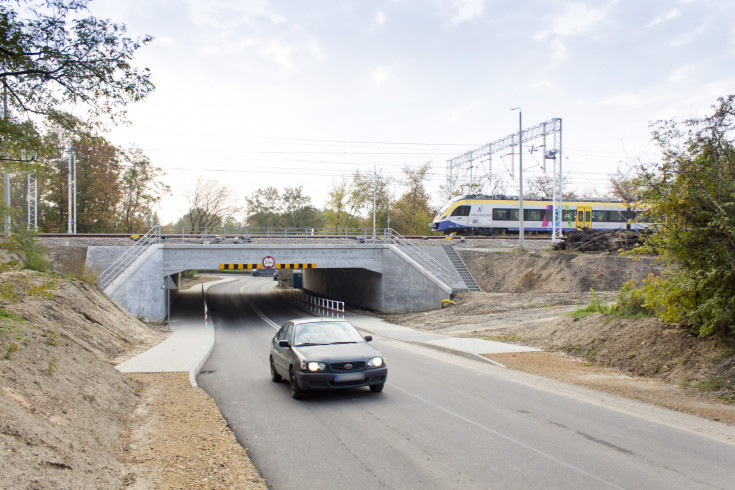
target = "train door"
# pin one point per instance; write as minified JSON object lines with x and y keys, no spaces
{"x":584,"y":217}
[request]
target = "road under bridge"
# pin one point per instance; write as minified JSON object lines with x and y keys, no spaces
{"x":386,"y":275}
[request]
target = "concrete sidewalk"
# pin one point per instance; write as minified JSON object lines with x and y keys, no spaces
{"x":191,"y":342}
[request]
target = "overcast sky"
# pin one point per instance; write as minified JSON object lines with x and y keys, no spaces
{"x":255,"y":93}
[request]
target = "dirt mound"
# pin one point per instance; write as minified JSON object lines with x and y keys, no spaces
{"x":529,"y":299}
{"x":549,"y":272}
{"x":63,"y":404}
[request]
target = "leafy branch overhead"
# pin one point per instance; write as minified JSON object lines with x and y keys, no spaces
{"x":53,"y":59}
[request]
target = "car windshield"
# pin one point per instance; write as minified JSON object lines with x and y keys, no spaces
{"x":320,"y":333}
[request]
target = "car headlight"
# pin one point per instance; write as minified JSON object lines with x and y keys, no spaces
{"x":313,"y":366}
{"x":375,"y":362}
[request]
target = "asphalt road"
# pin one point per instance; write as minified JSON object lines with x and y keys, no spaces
{"x":442,"y":421}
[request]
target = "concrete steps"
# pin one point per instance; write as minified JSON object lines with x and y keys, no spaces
{"x":461,"y":268}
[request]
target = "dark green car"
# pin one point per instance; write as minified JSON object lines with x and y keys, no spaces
{"x":325,"y":354}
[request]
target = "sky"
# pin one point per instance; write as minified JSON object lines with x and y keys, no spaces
{"x":287,"y":93}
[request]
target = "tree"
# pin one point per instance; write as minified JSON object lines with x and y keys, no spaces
{"x":52,"y":57}
{"x":98,"y":185}
{"x":623,"y":186}
{"x":693,"y":189}
{"x":141,"y":191}
{"x":210,"y":204}
{"x":411,"y":213}
{"x":265,"y":207}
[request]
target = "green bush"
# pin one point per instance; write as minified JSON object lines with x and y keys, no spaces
{"x":597,"y":305}
{"x":36,"y":261}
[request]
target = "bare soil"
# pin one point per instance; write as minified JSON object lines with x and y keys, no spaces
{"x":69,"y":419}
{"x":527,"y":299}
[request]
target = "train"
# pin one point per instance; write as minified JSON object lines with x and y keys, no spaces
{"x":498,"y":214}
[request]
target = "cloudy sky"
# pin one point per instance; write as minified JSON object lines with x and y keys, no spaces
{"x":255,"y":93}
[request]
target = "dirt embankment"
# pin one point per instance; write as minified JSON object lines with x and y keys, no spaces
{"x":69,"y":419}
{"x":527,"y":299}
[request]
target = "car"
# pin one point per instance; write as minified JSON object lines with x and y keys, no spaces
{"x":325,"y":354}
{"x":260,"y":272}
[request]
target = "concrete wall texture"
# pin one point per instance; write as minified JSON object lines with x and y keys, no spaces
{"x":378,"y":277}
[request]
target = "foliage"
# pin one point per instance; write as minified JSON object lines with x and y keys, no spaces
{"x":140,"y":191}
{"x":694,"y":188}
{"x":25,"y":243}
{"x":51,"y":57}
{"x":631,"y":302}
{"x":268,"y":207}
{"x":411,"y":213}
{"x":623,"y":185}
{"x":351,"y":203}
{"x":596,"y":305}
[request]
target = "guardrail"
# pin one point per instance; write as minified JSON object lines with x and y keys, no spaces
{"x":321,"y":306}
{"x":123,"y":261}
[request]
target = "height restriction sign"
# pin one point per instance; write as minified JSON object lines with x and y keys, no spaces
{"x":269,"y":262}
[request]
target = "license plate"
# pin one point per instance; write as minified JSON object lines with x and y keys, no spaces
{"x":342,"y":378}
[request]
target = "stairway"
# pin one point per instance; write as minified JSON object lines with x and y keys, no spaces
{"x":464,"y":273}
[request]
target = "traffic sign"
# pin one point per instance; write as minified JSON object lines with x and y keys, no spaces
{"x":269,"y":262}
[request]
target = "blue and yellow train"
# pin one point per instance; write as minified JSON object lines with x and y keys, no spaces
{"x":495,"y":215}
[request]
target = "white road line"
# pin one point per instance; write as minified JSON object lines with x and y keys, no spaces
{"x":256,"y":309}
{"x":507,"y":438}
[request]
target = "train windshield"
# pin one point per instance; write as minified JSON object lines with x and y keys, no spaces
{"x":445,"y":209}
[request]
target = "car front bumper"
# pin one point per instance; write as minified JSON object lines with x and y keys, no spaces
{"x":331,"y":381}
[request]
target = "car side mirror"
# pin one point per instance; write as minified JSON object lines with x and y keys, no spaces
{"x":368,"y":338}
{"x":284,"y":343}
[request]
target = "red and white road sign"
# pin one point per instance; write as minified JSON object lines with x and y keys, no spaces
{"x":269,"y":262}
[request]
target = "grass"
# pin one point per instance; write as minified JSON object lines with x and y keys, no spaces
{"x":517,"y":338}
{"x":712,"y":384}
{"x":597,"y":305}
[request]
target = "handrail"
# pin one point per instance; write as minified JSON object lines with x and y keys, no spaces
{"x":123,"y":261}
{"x":417,"y":254}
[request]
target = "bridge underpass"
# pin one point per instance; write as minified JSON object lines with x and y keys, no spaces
{"x":384,"y":277}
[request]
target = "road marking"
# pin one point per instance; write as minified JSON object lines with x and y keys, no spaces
{"x":507,"y":438}
{"x":256,"y":309}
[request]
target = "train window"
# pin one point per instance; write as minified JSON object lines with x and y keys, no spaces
{"x":501,"y":214}
{"x":598,"y":216}
{"x":616,"y":217}
{"x":461,"y":211}
{"x":580,"y":216}
{"x":567,"y":215}
{"x":533,"y":214}
{"x":548,"y":215}
{"x":587,"y":216}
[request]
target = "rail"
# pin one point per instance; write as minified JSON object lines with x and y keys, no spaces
{"x":418,"y":255}
{"x":123,"y":261}
{"x":321,"y":306}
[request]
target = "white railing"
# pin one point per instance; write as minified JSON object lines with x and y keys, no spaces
{"x":123,"y":261}
{"x":321,"y":306}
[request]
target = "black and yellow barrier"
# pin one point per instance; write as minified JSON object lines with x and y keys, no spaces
{"x":232,"y":267}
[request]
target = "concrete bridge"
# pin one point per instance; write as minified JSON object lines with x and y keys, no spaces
{"x":388,"y":275}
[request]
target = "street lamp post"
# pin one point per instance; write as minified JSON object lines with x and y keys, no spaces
{"x":521,"y":230}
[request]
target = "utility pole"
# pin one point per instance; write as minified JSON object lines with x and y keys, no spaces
{"x":521,"y":230}
{"x":375,"y":191}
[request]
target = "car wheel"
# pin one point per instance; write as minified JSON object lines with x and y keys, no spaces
{"x":377,"y":388}
{"x":296,"y":392}
{"x":275,"y":377}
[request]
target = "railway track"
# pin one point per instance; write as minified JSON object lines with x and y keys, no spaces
{"x":80,"y":236}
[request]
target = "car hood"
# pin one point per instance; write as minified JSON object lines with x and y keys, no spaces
{"x":338,"y":352}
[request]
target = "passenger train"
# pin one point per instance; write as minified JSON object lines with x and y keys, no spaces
{"x":495,"y":215}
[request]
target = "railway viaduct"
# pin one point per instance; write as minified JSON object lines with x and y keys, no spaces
{"x":388,"y":276}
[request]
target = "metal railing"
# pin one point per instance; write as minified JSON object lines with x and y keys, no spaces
{"x":248,"y":234}
{"x":321,"y":306}
{"x":123,"y":261}
{"x":417,"y":254}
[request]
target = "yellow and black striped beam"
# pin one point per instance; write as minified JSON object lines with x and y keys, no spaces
{"x":232,"y":267}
